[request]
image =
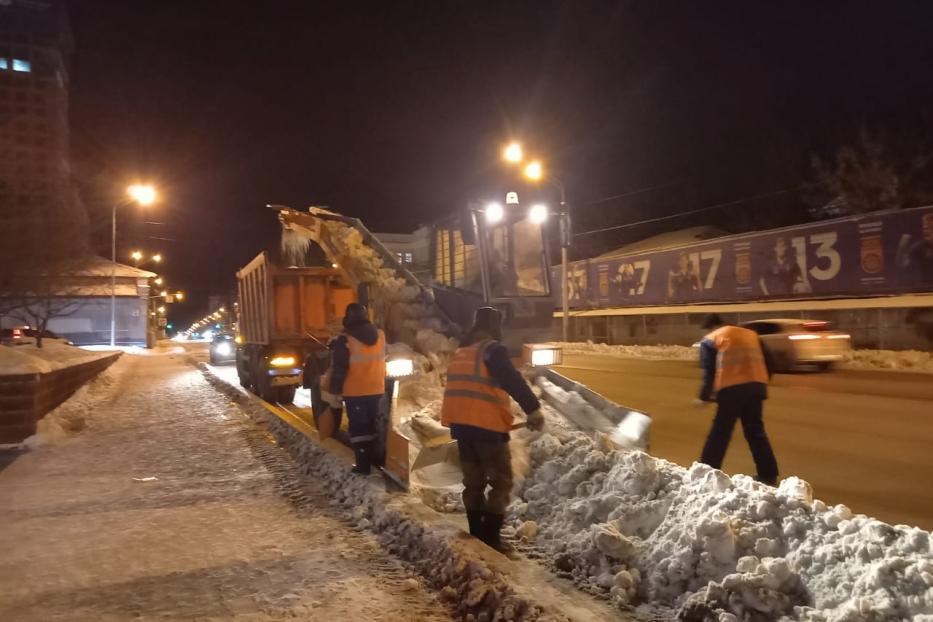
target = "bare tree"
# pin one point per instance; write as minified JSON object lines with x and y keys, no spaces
{"x":870,"y":176}
{"x":43,"y":248}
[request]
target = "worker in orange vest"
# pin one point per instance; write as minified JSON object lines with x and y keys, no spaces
{"x":356,"y":380}
{"x":480,"y":379}
{"x":736,"y":371}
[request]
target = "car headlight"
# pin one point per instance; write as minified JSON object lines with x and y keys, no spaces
{"x":283,"y":361}
{"x":399,"y":368}
{"x":223,"y":348}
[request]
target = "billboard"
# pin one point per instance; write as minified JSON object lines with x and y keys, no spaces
{"x":873,"y":254}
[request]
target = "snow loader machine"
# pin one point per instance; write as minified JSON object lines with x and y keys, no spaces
{"x":481,"y":256}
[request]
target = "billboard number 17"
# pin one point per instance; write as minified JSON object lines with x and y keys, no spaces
{"x":714,"y":256}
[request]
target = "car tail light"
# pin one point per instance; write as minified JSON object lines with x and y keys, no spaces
{"x":816,"y":326}
{"x":17,"y":333}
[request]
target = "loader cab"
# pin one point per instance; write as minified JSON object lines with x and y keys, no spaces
{"x":495,"y":254}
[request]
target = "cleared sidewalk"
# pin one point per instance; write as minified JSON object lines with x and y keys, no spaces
{"x":172,"y":504}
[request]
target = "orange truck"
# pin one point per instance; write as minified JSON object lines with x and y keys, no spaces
{"x":287,"y":315}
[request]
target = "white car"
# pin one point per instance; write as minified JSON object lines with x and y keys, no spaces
{"x":794,"y":344}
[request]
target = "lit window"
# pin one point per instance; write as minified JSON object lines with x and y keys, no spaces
{"x":407,"y":257}
{"x":21,"y":65}
{"x":4,"y":64}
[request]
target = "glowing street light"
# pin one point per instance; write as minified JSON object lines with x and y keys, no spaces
{"x":157,"y":257}
{"x":534,"y":171}
{"x":136,"y":255}
{"x":158,"y":280}
{"x":179,"y":295}
{"x":161,"y":309}
{"x":513,"y":153}
{"x":141,"y":194}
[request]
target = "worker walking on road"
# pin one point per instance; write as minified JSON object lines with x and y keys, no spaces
{"x":736,"y":368}
{"x":356,"y":379}
{"x":480,"y":379}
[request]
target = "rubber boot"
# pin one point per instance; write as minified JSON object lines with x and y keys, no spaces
{"x":363,"y":463}
{"x":475,"y":521}
{"x":492,"y":528}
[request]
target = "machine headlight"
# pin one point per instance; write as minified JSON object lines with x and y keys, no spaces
{"x":399,"y":368}
{"x":537,"y":214}
{"x":494,"y":213}
{"x":283,"y":361}
{"x":542,"y":356}
{"x":223,"y":348}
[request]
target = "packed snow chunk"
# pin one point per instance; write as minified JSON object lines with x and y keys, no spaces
{"x":610,"y":542}
{"x":527,"y":531}
{"x":796,"y":488}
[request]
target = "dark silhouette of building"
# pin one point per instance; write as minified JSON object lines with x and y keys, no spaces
{"x":35,"y":45}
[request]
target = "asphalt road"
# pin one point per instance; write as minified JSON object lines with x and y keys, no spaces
{"x":860,"y":438}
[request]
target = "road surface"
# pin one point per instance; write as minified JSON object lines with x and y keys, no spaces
{"x":173,"y":504}
{"x":860,"y":438}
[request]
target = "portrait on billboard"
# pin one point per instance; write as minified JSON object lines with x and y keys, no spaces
{"x":782,"y":274}
{"x":683,"y":280}
{"x":624,"y":283}
{"x":915,"y":255}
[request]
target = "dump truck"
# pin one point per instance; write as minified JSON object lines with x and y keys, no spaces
{"x":286,"y":316}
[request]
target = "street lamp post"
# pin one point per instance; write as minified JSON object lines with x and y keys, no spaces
{"x":143,"y":195}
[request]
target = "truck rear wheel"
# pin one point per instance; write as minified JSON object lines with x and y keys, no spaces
{"x":286,"y":395}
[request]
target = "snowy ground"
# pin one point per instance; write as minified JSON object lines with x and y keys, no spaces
{"x":891,"y":360}
{"x":169,"y":503}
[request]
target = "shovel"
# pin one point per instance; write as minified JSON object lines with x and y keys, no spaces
{"x":444,"y":449}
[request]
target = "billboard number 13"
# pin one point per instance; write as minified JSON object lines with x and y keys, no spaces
{"x":828,"y":261}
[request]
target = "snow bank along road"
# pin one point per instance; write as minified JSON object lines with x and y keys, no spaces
{"x":172,"y":504}
{"x":862,"y":438}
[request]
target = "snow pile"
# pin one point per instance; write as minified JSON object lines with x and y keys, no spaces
{"x":656,"y":352}
{"x":70,"y":417}
{"x":641,"y":529}
{"x":900,"y":360}
{"x":28,"y":359}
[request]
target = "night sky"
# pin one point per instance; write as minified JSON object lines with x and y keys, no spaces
{"x":395,"y":112}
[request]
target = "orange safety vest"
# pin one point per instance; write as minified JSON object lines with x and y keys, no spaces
{"x":472,"y":396}
{"x":740,"y":358}
{"x":367,"y":372}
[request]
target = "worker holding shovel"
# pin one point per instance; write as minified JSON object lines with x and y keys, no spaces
{"x":356,"y":379}
{"x":480,"y":379}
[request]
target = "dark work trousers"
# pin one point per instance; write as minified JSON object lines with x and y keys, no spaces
{"x":747,"y":409}
{"x":362,"y":412}
{"x":486,"y":464}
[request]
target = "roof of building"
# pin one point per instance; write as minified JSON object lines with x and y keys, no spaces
{"x":98,"y":266}
{"x":671,"y":239}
